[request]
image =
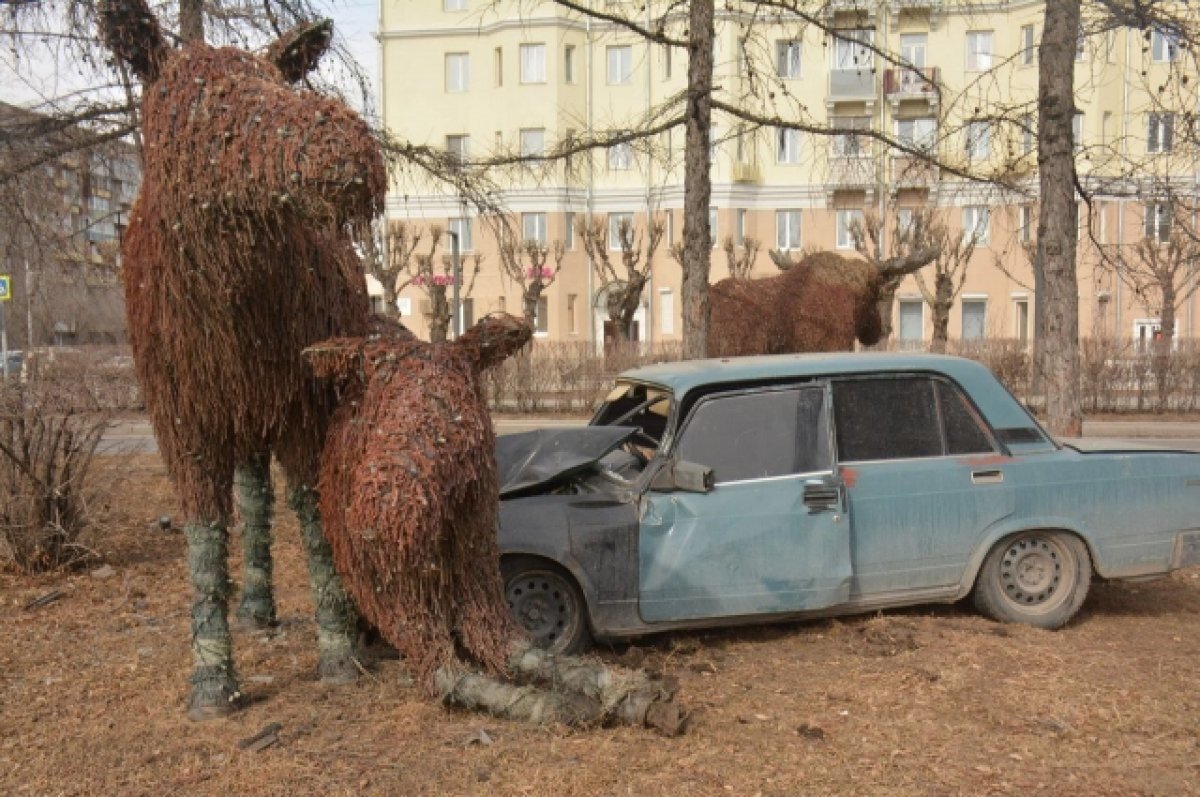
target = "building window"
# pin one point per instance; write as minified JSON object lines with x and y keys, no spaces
{"x":533,"y":142}
{"x":979,"y":50}
{"x":666,"y":61}
{"x":852,"y":51}
{"x":712,"y":144}
{"x":1077,"y":132}
{"x":978,"y":139}
{"x":1027,"y":134}
{"x":788,"y":145}
{"x":498,"y":65}
{"x":1156,"y":224}
{"x":666,"y":311}
{"x":1081,"y":47}
{"x":541,"y":316}
{"x":569,"y":63}
{"x":912,"y":321}
{"x":846,"y":219}
{"x":1160,"y":132}
{"x":572,"y":322}
{"x":620,"y":65}
{"x":462,"y":228}
{"x":739,"y":228}
{"x":670,"y":229}
{"x":620,"y":156}
{"x":569,"y":218}
{"x":974,"y":319}
{"x":454,"y":5}
{"x":975,"y":220}
{"x":787,"y":59}
{"x":1021,"y":319}
{"x":616,"y":223}
{"x":533,"y":63}
{"x":533,"y":227}
{"x":458,"y":148}
{"x":1164,"y":46}
{"x":1025,"y":225}
{"x":1028,"y":45}
{"x":920,"y":133}
{"x":849,"y":145}
{"x":466,"y":314}
{"x":712,"y":227}
{"x":458,"y":67}
{"x":787,"y":229}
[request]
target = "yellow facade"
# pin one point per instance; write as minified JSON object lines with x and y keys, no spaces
{"x":511,"y":77}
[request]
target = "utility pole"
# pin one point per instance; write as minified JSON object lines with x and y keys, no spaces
{"x":455,"y":301}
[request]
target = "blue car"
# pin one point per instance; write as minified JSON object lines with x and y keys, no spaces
{"x":721,"y":492}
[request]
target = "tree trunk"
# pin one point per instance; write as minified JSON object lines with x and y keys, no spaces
{"x":941,"y":327}
{"x":1057,"y":220}
{"x":390,"y":310}
{"x":191,"y":20}
{"x":887,"y":308}
{"x":529,"y":303}
{"x":439,"y":314}
{"x":1162,"y":347}
{"x":697,"y":183}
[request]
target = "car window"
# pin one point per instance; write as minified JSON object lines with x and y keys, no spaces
{"x":630,"y":404}
{"x":890,"y":418}
{"x":758,"y":435}
{"x":965,"y":433}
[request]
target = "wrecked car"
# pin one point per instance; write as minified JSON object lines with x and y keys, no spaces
{"x":747,"y":489}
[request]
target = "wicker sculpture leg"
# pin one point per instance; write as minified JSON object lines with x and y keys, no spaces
{"x":255,"y":499}
{"x":214,"y":682}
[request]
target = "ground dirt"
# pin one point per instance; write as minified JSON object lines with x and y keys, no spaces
{"x":932,"y":701}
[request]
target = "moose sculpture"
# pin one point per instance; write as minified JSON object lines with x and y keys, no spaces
{"x":237,"y":257}
{"x":824,"y":302}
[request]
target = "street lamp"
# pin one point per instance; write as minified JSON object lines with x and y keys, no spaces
{"x":456,"y":265}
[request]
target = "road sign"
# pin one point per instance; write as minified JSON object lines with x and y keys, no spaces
{"x":5,"y":287}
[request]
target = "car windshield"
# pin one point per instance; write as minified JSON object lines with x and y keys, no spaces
{"x":643,"y":406}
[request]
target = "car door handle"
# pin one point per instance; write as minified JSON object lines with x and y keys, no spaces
{"x":987,"y":477}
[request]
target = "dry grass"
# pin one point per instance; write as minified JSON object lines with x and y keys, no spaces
{"x":931,"y":701}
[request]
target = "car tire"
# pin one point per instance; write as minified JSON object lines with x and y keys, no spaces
{"x":1039,"y":578}
{"x":547,"y":603}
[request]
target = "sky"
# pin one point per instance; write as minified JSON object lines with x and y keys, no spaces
{"x":49,"y":75}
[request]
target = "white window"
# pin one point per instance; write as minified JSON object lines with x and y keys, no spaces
{"x":1160,"y":132}
{"x":458,"y":148}
{"x":670,"y":228}
{"x":569,"y":63}
{"x":912,"y":49}
{"x":1027,"y":133}
{"x":1021,"y":319}
{"x":852,"y":51}
{"x":498,"y":65}
{"x":978,"y":139}
{"x":541,"y":316}
{"x":974,"y":319}
{"x":458,"y":68}
{"x":849,"y":145}
{"x":912,"y":321}
{"x":1164,"y":46}
{"x":1156,"y":224}
{"x":712,"y":226}
{"x":846,"y":219}
{"x":975,"y":220}
{"x":454,"y":5}
{"x":979,"y":50}
{"x":620,"y":156}
{"x":787,"y":148}
{"x":1025,"y":227}
{"x":569,"y":219}
{"x":1077,"y":131}
{"x":787,"y":229}
{"x":787,"y":59}
{"x":920,"y":133}
{"x":739,"y":230}
{"x":617,"y":222}
{"x":533,"y":63}
{"x":462,"y":228}
{"x":666,"y":310}
{"x":1028,"y":45}
{"x":620,"y":65}
{"x":533,"y":142}
{"x":666,"y":61}
{"x":533,"y":227}
{"x":1081,"y":47}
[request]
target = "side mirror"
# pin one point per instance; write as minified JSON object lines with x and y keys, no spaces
{"x":683,"y":476}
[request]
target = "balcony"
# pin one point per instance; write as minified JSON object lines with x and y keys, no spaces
{"x":746,"y":173}
{"x":911,"y":84}
{"x":911,"y":172}
{"x":852,"y":172}
{"x":851,"y":85}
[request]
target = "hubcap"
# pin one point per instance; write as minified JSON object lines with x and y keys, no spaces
{"x":542,"y":605}
{"x":1031,"y":571}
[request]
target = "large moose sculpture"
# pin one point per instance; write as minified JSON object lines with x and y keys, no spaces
{"x":236,"y":258}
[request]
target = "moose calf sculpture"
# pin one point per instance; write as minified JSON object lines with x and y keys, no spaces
{"x":237,"y":257}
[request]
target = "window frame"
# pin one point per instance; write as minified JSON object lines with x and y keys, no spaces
{"x":1028,"y":36}
{"x":623,"y":75}
{"x":541,"y":233}
{"x":789,"y":214}
{"x":787,"y":146}
{"x":463,"y":227}
{"x":458,"y":57}
{"x":528,"y":66}
{"x":789,"y":59}
{"x":532,"y":152}
{"x":842,"y":225}
{"x":979,"y":59}
{"x":1160,"y":132}
{"x":978,"y":212}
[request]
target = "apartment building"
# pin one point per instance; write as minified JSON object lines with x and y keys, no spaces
{"x":955,"y":79}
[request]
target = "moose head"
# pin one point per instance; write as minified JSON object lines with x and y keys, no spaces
{"x":230,"y":131}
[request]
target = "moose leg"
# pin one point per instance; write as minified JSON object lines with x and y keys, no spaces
{"x":214,"y":682}
{"x":255,"y":503}
{"x":337,"y":619}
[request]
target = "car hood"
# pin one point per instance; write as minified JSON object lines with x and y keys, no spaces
{"x":528,"y":460}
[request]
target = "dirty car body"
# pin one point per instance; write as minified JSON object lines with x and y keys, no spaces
{"x":830,"y":484}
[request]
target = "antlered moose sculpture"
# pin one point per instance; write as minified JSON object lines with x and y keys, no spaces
{"x":236,"y":258}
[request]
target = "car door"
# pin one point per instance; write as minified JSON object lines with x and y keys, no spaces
{"x":771,"y":535}
{"x":924,"y":479}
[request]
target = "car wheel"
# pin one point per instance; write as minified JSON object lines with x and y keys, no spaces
{"x":546,"y":603}
{"x":1039,"y":578}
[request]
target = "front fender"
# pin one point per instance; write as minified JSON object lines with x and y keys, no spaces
{"x":1007,"y":527}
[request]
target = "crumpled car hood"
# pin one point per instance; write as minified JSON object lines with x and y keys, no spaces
{"x":528,"y":460}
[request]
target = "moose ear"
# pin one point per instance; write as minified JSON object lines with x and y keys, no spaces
{"x":336,"y":358}
{"x":298,"y":51}
{"x":131,"y":32}
{"x":495,"y":338}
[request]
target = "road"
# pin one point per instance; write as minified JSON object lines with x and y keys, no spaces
{"x":135,"y":436}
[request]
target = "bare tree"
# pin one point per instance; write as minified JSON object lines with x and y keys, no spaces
{"x":432,"y":275}
{"x":740,"y":264}
{"x":913,"y":247}
{"x":946,"y":278}
{"x":623,"y":283}
{"x":530,"y":264}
